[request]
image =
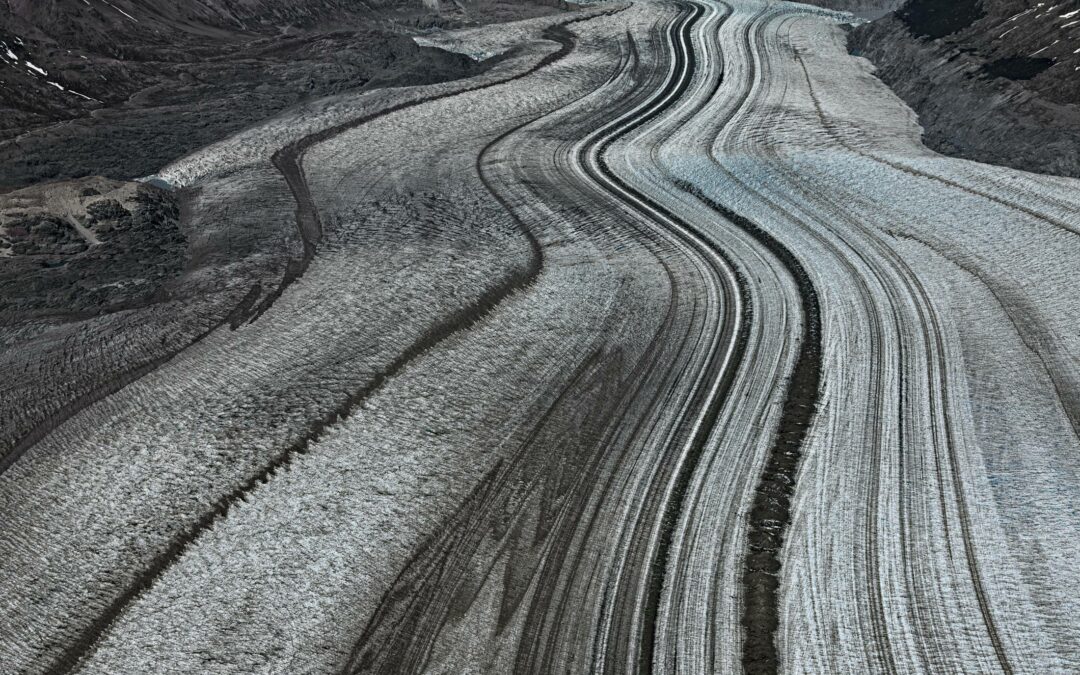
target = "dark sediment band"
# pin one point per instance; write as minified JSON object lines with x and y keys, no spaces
{"x":771,"y":512}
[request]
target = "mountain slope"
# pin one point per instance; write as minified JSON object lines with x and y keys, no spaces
{"x":992,"y":80}
{"x":139,"y":82}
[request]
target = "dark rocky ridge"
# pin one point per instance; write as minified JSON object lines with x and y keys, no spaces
{"x":992,"y":80}
{"x":121,"y":88}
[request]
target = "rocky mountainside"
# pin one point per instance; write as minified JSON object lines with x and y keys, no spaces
{"x":992,"y":80}
{"x":119,"y":87}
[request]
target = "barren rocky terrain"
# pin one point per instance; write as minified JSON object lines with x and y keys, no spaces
{"x":635,"y":337}
{"x":992,"y":80}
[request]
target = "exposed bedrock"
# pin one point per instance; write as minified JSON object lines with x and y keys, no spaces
{"x":991,"y":81}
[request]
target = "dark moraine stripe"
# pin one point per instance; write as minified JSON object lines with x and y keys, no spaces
{"x":771,"y":512}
